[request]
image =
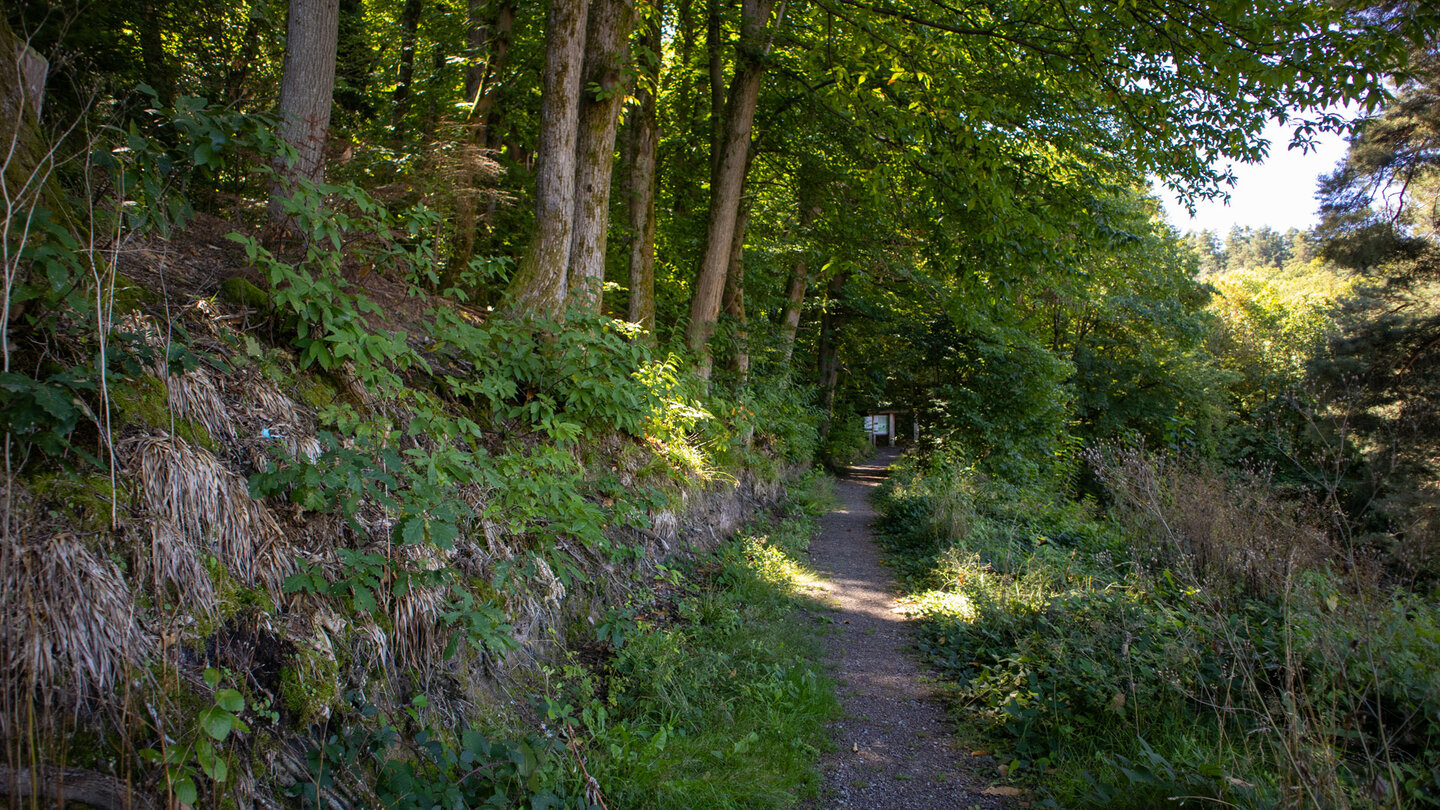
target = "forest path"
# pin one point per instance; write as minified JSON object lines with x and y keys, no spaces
{"x":895,"y":745}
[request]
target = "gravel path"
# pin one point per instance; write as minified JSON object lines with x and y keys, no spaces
{"x":895,"y":746}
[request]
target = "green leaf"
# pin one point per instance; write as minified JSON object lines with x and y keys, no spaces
{"x":412,"y":531}
{"x":230,"y":700}
{"x":364,"y":599}
{"x":185,"y":791}
{"x":217,"y":722}
{"x":214,"y":766}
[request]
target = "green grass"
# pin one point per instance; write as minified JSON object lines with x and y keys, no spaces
{"x":717,"y":696}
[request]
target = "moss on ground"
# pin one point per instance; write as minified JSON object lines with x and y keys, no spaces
{"x":84,"y":500}
{"x":141,"y":401}
{"x":309,"y":686}
{"x":238,"y":290}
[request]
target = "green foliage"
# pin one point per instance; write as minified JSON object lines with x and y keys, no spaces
{"x":205,"y":751}
{"x":421,"y":767}
{"x":178,"y":150}
{"x":1100,"y":649}
{"x":716,"y":698}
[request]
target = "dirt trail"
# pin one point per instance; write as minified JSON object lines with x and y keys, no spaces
{"x":895,"y":745}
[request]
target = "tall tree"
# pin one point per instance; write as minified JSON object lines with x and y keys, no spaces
{"x":306,"y":90}
{"x":540,"y":286}
{"x":409,"y":36}
{"x":756,"y":36}
{"x":606,"y":53}
{"x":734,"y":300}
{"x":640,"y":179}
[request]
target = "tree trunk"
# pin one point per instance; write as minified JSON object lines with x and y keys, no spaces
{"x":827,"y":359}
{"x":644,"y":139}
{"x":715,"y":52}
{"x":305,"y":93}
{"x":151,"y":28}
{"x":729,"y":177}
{"x":734,"y":303}
{"x":409,"y":33}
{"x":482,"y":89}
{"x":481,"y":76}
{"x":799,"y":276}
{"x":238,"y":71}
{"x":794,"y":303}
{"x":607,"y":40}
{"x":539,"y":286}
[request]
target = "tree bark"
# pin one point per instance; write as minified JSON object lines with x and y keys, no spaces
{"x":482,"y":90}
{"x":239,"y":70}
{"x":734,"y":303}
{"x":799,"y":276}
{"x":607,"y":40}
{"x":729,"y":177}
{"x":409,"y":33}
{"x":644,"y":140}
{"x":827,"y":359}
{"x":794,"y":303}
{"x":482,"y":86}
{"x":715,"y":52}
{"x":306,"y":90}
{"x":72,"y":785}
{"x":151,"y":28}
{"x":539,"y":286}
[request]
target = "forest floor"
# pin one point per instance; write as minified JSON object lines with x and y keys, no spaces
{"x":895,"y":744}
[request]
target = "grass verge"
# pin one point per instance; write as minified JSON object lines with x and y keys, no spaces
{"x":709,"y":690}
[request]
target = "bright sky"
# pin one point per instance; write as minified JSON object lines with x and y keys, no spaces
{"x":1279,"y":192}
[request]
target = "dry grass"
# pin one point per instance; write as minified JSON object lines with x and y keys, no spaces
{"x":68,"y":624}
{"x":1215,"y":527}
{"x":203,"y":508}
{"x":197,"y":395}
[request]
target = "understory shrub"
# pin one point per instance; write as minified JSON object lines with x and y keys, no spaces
{"x":1203,"y":639}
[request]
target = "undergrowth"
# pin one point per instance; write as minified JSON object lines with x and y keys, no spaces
{"x":1201,"y":642}
{"x":715,"y":695}
{"x":370,"y":516}
{"x":703,"y":690}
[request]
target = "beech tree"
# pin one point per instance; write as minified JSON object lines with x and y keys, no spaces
{"x":606,"y":52}
{"x":644,"y":137}
{"x":586,"y":45}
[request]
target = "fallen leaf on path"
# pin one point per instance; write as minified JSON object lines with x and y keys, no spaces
{"x":1002,"y":790}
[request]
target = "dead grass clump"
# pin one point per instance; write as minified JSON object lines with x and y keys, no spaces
{"x":1219,"y":528}
{"x":419,"y":637}
{"x":68,"y":629}
{"x":197,"y":395}
{"x":266,"y":416}
{"x":208,"y":509}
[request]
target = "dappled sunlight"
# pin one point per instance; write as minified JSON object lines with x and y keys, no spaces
{"x":947,"y":604}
